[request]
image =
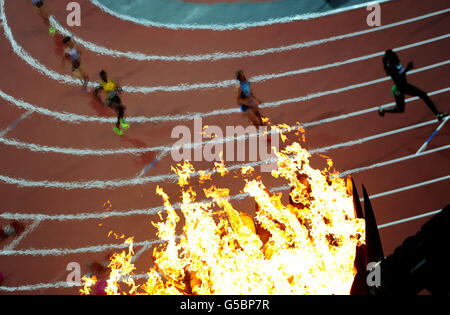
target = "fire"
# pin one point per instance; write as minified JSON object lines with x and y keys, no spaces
{"x":304,"y":247}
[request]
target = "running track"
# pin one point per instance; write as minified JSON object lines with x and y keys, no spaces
{"x":61,"y":162}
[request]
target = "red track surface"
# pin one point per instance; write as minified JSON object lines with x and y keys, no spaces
{"x":23,"y":266}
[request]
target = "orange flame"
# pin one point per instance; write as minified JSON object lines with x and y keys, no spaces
{"x":305,"y":247}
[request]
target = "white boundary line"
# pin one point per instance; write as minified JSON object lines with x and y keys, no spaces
{"x":154,"y":210}
{"x":66,"y":79}
{"x":116,"y":183}
{"x":139,"y":56}
{"x":231,"y":26}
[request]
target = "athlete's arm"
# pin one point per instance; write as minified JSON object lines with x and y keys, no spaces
{"x":409,"y":66}
{"x":96,"y":90}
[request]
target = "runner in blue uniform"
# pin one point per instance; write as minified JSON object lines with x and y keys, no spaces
{"x":247,"y":101}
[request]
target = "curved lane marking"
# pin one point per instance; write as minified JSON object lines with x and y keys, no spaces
{"x":230,"y":26}
{"x":66,"y":79}
{"x":139,"y":56}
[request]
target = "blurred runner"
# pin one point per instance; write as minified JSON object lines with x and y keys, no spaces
{"x":71,"y":53}
{"x":43,"y":12}
{"x":397,"y":72}
{"x":248,"y":101}
{"x":113,"y":100}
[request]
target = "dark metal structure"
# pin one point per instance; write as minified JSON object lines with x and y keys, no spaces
{"x":420,"y":263}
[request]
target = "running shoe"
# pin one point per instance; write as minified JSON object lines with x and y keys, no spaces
{"x":381,"y":111}
{"x":52,"y":30}
{"x":123,"y":124}
{"x":441,"y":116}
{"x":118,"y":131}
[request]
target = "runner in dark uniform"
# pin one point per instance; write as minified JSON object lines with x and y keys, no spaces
{"x":397,"y":72}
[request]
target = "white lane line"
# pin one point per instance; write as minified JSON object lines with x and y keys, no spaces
{"x":165,"y":149}
{"x":382,"y":226}
{"x":230,"y":26}
{"x":66,"y":79}
{"x":374,"y":137}
{"x":76,"y":118}
{"x":394,"y":191}
{"x":78,"y":152}
{"x":63,"y":284}
{"x":154,"y":210}
{"x":18,"y":50}
{"x":116,"y":183}
{"x":381,"y":164}
{"x":105,"y":247}
{"x":139,"y":56}
{"x":39,"y":286}
{"x":72,"y":251}
{"x":17,"y":240}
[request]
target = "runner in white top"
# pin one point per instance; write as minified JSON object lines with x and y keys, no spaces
{"x":72,"y":53}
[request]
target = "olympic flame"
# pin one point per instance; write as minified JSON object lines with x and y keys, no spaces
{"x":304,"y":247}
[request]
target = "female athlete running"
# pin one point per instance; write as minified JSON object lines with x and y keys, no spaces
{"x":397,"y":72}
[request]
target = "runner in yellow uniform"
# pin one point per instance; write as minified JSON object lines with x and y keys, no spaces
{"x":112,"y":90}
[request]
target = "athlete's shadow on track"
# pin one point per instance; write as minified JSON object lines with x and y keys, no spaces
{"x":145,"y":158}
{"x":105,"y":111}
{"x":100,"y":108}
{"x":59,"y":49}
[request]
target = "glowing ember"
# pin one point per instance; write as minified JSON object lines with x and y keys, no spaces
{"x":305,"y":247}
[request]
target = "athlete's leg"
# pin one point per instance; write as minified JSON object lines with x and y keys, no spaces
{"x":259,"y":117}
{"x":400,"y":104}
{"x":81,"y":75}
{"x":254,"y":117}
{"x":120,"y":110}
{"x":43,"y":12}
{"x":414,"y":91}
